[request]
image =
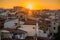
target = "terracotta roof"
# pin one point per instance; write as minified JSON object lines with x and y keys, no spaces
{"x":15,"y":30}
{"x":2,"y":18}
{"x":30,"y":22}
{"x":38,"y":38}
{"x":43,"y":38}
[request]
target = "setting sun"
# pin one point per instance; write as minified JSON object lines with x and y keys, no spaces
{"x":30,"y":6}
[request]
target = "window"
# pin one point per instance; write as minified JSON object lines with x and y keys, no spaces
{"x":1,"y":26}
{"x":50,"y":33}
{"x":15,"y":24}
{"x":20,"y":35}
{"x":2,"y":23}
{"x":21,"y":16}
{"x":54,"y":23}
{"x":54,"y":28}
{"x":39,"y":31}
{"x":33,"y":27}
{"x":44,"y":31}
{"x":23,"y":20}
{"x":48,"y":22}
{"x":49,"y":25}
{"x":1,"y":20}
{"x":18,"y":27}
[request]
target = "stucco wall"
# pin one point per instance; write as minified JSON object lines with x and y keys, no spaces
{"x":10,"y":24}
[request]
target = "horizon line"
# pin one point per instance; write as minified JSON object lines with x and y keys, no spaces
{"x":31,"y":9}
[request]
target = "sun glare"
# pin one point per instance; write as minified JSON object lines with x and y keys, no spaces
{"x":30,"y":6}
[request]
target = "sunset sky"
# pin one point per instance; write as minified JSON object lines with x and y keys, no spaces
{"x":37,"y":4}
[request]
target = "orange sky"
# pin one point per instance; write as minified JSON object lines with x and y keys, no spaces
{"x":37,"y":4}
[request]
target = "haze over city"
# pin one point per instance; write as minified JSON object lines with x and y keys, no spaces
{"x":29,"y":19}
{"x":34,"y":4}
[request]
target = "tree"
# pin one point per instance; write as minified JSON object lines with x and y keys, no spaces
{"x":57,"y":36}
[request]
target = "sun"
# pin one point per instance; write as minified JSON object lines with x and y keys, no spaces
{"x":30,"y":6}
